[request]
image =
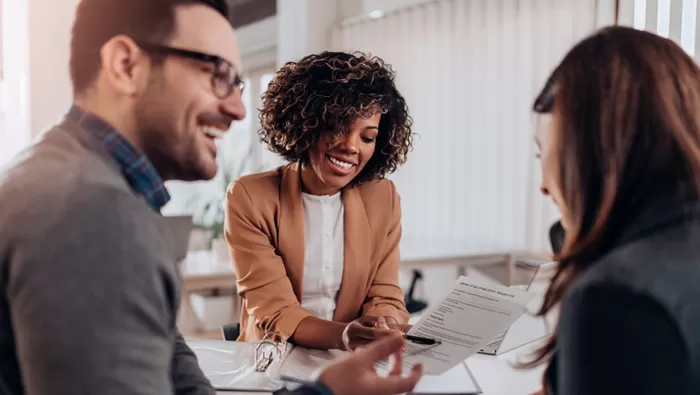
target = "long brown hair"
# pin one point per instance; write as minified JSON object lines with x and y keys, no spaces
{"x":626,"y":107}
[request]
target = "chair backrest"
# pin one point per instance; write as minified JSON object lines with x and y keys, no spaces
{"x":231,"y":331}
{"x":556,"y":237}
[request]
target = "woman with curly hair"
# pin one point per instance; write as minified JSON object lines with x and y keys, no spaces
{"x":315,"y":243}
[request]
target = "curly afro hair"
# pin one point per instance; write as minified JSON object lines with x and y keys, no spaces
{"x":326,"y":93}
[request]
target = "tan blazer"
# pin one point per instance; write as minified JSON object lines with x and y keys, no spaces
{"x":265,"y":233}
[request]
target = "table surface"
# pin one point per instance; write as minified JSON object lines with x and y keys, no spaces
{"x":496,"y":375}
{"x":205,"y":264}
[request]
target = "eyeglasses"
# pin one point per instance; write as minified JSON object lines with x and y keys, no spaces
{"x":224,"y":78}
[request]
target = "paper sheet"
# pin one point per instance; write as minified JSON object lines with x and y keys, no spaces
{"x":304,"y":364}
{"x":470,"y":317}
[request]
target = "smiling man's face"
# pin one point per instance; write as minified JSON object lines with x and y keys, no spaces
{"x":179,"y":115}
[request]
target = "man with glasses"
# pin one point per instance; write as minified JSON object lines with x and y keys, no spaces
{"x":89,"y":288}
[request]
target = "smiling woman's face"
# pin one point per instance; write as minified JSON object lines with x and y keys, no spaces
{"x":547,"y":142}
{"x":334,"y":164}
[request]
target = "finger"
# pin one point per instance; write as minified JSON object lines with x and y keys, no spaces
{"x":403,"y":328}
{"x":358,"y":344}
{"x":390,"y":320}
{"x":397,"y":364}
{"x":381,"y":323}
{"x":368,"y":321}
{"x":363,"y":332}
{"x":398,"y":384}
{"x":381,"y":349}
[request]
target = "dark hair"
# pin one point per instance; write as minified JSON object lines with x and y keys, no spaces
{"x":97,"y":21}
{"x":325,"y":93}
{"x":626,"y":106}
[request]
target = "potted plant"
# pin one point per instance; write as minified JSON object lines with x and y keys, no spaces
{"x":209,"y":209}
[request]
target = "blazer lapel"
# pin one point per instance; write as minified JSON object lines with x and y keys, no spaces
{"x":356,"y":256}
{"x":291,"y":227}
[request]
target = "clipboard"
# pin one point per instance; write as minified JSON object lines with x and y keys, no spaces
{"x":243,"y":367}
{"x":527,"y":328}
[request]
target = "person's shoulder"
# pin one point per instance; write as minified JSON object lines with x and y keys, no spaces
{"x":266,"y":179}
{"x":660,"y":265}
{"x":52,"y":176}
{"x":258,"y":187}
{"x":656,"y":273}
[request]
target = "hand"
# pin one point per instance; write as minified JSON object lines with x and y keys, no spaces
{"x":363,"y":331}
{"x":357,"y":375}
{"x":540,"y":392}
{"x":403,"y":328}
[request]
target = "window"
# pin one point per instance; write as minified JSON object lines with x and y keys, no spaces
{"x":14,"y":120}
{"x":676,"y":19}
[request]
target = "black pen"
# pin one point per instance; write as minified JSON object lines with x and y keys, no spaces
{"x":421,"y":340}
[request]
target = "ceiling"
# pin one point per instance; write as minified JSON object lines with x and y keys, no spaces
{"x":245,"y":12}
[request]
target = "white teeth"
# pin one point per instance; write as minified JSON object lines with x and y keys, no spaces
{"x":340,"y":163}
{"x":212,"y":132}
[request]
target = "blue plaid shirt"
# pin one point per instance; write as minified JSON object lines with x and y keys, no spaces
{"x":137,"y":169}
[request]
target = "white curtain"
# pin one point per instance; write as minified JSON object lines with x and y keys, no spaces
{"x":14,"y":65}
{"x":675,"y":19}
{"x":469,"y":71}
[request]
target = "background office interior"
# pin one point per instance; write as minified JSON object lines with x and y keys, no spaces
{"x":469,"y":70}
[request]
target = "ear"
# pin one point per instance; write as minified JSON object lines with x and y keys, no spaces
{"x":125,"y":65}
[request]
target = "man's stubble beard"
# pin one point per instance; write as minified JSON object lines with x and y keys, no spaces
{"x":172,"y":151}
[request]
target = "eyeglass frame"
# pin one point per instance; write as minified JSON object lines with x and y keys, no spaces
{"x":217,"y":61}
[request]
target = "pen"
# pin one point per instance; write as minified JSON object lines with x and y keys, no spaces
{"x":421,"y":340}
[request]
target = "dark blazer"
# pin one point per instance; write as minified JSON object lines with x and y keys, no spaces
{"x":631,"y":323}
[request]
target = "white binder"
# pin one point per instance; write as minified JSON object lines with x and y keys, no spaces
{"x":528,"y":328}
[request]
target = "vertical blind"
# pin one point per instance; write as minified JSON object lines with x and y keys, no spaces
{"x":675,"y":19}
{"x":14,"y":90}
{"x":469,"y":71}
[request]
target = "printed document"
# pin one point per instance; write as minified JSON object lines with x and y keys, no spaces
{"x":470,"y":317}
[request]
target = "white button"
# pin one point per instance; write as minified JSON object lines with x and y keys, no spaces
{"x":328,"y":234}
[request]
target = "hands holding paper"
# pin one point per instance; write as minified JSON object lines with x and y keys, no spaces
{"x":364,"y":378}
{"x":365,"y":330}
{"x":387,"y":322}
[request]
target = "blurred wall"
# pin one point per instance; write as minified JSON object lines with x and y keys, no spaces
{"x":50,"y":91}
{"x":469,"y":71}
{"x":14,"y":86}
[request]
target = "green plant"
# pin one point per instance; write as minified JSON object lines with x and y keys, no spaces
{"x":209,"y":209}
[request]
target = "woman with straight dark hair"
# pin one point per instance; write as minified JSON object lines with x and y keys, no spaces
{"x":621,"y":159}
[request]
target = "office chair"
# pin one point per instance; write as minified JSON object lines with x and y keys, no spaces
{"x":556,"y":237}
{"x":231,"y":331}
{"x":413,"y":305}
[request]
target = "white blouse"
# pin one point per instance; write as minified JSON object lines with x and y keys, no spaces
{"x":323,"y":255}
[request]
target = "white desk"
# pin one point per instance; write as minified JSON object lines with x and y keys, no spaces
{"x":201,"y":271}
{"x":496,"y":375}
{"x":426,"y":253}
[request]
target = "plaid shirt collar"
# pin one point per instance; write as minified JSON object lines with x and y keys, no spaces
{"x":137,"y":169}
